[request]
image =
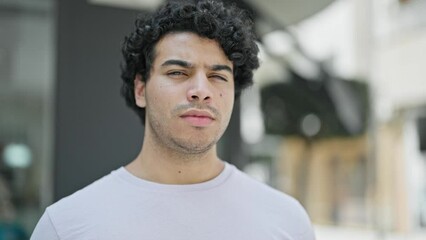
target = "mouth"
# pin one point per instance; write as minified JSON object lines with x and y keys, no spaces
{"x":198,"y":118}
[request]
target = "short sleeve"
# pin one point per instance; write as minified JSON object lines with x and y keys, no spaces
{"x":44,"y":229}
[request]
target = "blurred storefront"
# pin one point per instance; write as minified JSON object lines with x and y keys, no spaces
{"x":342,"y":105}
{"x":26,"y":82}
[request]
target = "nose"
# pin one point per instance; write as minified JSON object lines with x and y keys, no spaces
{"x":199,"y":89}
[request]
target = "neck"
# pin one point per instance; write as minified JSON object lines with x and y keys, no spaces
{"x":171,"y":167}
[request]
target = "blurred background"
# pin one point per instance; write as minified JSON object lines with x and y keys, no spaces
{"x":336,"y":117}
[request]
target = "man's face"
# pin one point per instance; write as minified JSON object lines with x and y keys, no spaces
{"x":190,"y":93}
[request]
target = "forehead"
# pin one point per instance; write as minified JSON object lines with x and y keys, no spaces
{"x":190,"y":47}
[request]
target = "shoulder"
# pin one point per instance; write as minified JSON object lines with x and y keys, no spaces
{"x":275,"y":206}
{"x":90,"y":193}
{"x":74,"y":213}
{"x":261,"y":190}
{"x":44,"y":229}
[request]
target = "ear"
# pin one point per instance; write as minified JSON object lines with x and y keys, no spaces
{"x":139,"y":91}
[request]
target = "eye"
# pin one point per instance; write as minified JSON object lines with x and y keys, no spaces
{"x":219,"y":77}
{"x":176,"y":74}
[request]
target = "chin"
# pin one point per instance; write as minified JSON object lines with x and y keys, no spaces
{"x":195,"y":147}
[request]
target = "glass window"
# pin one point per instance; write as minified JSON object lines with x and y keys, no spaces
{"x":26,"y":79}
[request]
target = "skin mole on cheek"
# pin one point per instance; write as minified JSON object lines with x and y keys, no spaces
{"x":221,"y":94}
{"x":179,"y":171}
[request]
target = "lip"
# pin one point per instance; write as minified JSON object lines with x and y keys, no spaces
{"x":198,"y":113}
{"x":198,"y":118}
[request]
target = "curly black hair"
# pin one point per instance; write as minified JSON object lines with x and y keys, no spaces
{"x":228,"y":25}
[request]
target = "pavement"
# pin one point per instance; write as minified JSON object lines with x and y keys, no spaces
{"x":343,"y":233}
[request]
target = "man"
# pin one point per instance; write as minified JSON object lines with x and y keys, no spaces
{"x":183,"y":68}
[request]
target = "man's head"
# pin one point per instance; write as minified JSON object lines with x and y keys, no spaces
{"x":228,"y":26}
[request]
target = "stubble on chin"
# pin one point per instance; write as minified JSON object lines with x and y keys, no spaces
{"x":165,"y":139}
{"x":194,"y":147}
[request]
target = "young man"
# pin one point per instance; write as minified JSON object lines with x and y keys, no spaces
{"x":183,"y":68}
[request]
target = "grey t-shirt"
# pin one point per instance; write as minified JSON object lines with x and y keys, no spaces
{"x":120,"y":206}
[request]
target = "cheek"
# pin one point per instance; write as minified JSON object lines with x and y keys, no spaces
{"x":161,"y":97}
{"x":227,"y":100}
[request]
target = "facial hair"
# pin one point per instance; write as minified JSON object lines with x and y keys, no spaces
{"x":185,"y":146}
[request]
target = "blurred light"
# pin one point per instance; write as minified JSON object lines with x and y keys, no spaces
{"x":252,"y":125}
{"x":17,"y":156}
{"x":251,"y":121}
{"x":270,"y":70}
{"x":330,"y":35}
{"x":278,"y":43}
{"x":258,"y":171}
{"x":384,"y":108}
{"x":262,"y":55}
{"x":311,"y":125}
{"x":304,"y":67}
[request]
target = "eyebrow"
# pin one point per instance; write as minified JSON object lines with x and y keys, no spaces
{"x":219,"y":67}
{"x":185,"y":64}
{"x":177,"y":62}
